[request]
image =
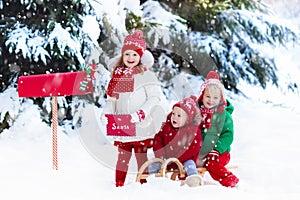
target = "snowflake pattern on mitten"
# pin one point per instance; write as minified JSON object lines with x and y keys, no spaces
{"x":122,"y":81}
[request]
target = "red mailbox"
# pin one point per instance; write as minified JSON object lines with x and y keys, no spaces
{"x":53,"y":85}
{"x":57,"y":84}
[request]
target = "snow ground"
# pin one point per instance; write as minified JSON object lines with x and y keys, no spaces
{"x":265,"y":150}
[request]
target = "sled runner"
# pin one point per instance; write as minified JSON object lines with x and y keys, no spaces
{"x":165,"y":172}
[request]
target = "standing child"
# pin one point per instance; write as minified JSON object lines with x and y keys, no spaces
{"x":180,"y":137}
{"x":217,"y":130}
{"x":134,"y":90}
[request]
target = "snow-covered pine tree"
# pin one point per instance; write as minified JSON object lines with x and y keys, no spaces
{"x":232,"y":33}
{"x":43,"y":36}
{"x":30,"y":42}
{"x":180,"y":34}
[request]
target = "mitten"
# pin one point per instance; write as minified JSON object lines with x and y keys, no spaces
{"x":137,"y":116}
{"x":90,"y":70}
{"x":103,"y":119}
{"x":213,"y":155}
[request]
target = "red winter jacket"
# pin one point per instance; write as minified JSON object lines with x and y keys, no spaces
{"x":183,"y":143}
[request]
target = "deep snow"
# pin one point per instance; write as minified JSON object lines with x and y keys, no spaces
{"x":265,"y":150}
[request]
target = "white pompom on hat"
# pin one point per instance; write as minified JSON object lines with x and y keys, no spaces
{"x":147,"y":59}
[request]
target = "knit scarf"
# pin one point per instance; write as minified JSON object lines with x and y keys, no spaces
{"x":206,"y":114}
{"x":122,"y":81}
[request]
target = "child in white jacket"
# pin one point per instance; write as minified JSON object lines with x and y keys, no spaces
{"x":134,"y":90}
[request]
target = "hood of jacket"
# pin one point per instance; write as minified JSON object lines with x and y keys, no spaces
{"x":229,"y":107}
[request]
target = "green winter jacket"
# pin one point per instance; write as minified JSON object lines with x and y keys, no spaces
{"x":220,"y":136}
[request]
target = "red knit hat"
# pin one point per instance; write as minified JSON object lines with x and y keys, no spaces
{"x":135,"y":42}
{"x":212,"y":78}
{"x":189,"y":106}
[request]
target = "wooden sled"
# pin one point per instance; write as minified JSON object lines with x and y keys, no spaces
{"x":164,"y":172}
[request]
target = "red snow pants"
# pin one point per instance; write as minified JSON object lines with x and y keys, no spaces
{"x":218,"y":171}
{"x":124,"y":155}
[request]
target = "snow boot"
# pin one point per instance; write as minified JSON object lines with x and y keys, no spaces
{"x":120,"y":178}
{"x":230,"y":181}
{"x":194,"y":180}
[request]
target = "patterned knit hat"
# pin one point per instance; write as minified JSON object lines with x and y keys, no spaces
{"x":212,"y":78}
{"x":189,"y":106}
{"x":135,"y":42}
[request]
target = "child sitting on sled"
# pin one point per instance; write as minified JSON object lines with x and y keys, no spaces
{"x":217,"y":130}
{"x":180,"y":137}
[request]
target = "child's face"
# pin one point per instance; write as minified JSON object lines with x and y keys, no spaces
{"x":178,"y":117}
{"x":211,"y":97}
{"x":131,"y":58}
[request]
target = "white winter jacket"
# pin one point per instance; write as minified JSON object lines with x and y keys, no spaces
{"x":147,"y":96}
